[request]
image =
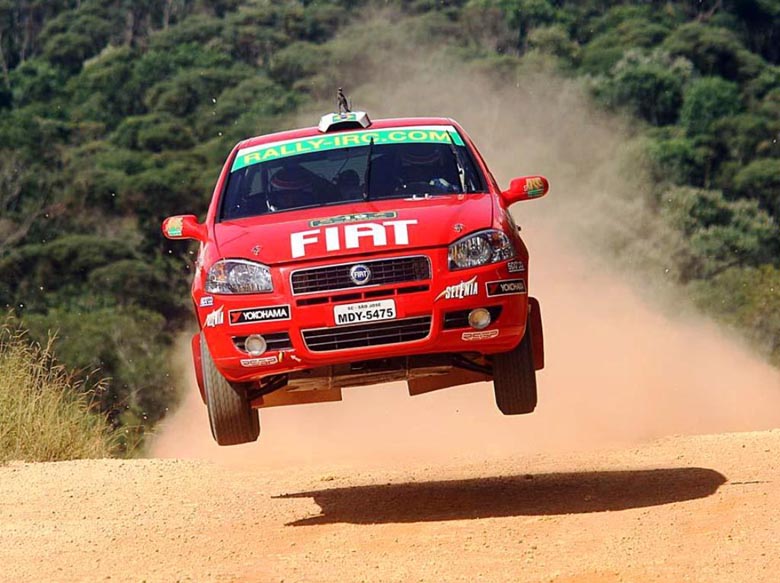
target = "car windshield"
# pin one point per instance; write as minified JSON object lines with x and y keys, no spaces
{"x":275,"y":178}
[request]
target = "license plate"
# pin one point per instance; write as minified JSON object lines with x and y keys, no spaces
{"x":364,"y":312}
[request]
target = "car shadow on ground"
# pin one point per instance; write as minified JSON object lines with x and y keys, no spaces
{"x":518,"y":495}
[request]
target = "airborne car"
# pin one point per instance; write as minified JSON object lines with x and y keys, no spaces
{"x":356,"y":253}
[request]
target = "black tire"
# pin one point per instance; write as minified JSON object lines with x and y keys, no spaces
{"x":232,"y":418}
{"x":514,"y":378}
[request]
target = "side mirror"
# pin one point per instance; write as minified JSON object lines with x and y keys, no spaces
{"x":184,"y":227}
{"x":525,"y":188}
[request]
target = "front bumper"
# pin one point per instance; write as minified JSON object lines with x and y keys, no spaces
{"x":427,"y":320}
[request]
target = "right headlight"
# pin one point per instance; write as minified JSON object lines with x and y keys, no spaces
{"x":481,"y":248}
{"x":238,"y":276}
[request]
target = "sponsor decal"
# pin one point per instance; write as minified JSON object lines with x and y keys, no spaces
{"x":256,"y":250}
{"x":174,"y":226}
{"x":215,"y":318}
{"x":354,"y":218}
{"x":206,"y":301}
{"x":460,"y":290}
{"x":264,"y":314}
{"x":479,"y":335}
{"x":515,"y":266}
{"x":359,"y":274}
{"x":534,"y":187}
{"x":263,"y":361}
{"x":285,"y":149}
{"x":350,"y":236}
{"x":505,"y":288}
{"x":337,"y":117}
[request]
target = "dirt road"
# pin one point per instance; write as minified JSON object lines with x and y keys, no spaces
{"x":680,"y":509}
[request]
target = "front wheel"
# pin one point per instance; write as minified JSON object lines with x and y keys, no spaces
{"x":514,"y":378}
{"x":232,"y":418}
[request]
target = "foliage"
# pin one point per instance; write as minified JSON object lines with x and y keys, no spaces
{"x":45,"y":414}
{"x":747,"y":298}
{"x":650,"y":86}
{"x":706,"y":101}
{"x":115,"y":114}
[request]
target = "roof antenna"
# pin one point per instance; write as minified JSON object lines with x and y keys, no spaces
{"x":343,"y":102}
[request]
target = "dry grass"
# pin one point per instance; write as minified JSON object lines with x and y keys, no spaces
{"x":44,"y":414}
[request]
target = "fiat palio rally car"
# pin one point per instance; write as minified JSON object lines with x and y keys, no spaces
{"x":356,"y":253}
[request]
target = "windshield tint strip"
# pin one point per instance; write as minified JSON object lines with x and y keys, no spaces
{"x":277,"y":150}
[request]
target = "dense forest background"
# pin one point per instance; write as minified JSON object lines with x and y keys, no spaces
{"x":117,"y":113}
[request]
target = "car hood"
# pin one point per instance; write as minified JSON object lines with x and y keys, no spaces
{"x":354,"y":229}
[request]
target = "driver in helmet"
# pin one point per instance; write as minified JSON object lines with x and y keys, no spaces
{"x":422,"y":169}
{"x":291,"y":186}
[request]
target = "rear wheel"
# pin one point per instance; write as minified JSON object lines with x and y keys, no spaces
{"x":232,"y":418}
{"x":514,"y":378}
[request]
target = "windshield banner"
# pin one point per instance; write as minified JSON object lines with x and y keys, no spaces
{"x":277,"y":150}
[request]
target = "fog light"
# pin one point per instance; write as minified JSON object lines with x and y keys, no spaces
{"x":479,"y":318}
{"x":255,"y":344}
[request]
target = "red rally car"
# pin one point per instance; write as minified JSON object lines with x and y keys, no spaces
{"x":355,"y":253}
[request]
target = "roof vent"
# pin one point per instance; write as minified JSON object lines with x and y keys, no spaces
{"x":348,"y":120}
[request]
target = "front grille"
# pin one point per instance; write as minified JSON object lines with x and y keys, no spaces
{"x":276,"y":341}
{"x":367,"y":295}
{"x":383,"y":272}
{"x":361,"y":335}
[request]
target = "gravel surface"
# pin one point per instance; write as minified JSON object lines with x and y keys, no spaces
{"x":679,"y":509}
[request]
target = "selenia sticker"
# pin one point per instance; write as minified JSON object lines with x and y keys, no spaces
{"x":460,"y":290}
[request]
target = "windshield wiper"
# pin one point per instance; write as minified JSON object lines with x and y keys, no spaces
{"x":461,"y":169}
{"x":367,"y":174}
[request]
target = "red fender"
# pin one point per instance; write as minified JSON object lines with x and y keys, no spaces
{"x":537,"y":336}
{"x":195,"y":343}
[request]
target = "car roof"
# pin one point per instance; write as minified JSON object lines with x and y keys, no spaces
{"x":375,"y":125}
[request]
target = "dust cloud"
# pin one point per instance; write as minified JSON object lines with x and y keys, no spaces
{"x":627,"y":359}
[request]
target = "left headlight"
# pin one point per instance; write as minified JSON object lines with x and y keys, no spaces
{"x":236,"y":276}
{"x":481,"y":248}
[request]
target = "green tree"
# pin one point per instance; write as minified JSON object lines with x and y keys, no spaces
{"x":720,"y":233}
{"x":713,"y":51}
{"x":649,"y":86}
{"x":760,"y":180}
{"x":706,"y":101}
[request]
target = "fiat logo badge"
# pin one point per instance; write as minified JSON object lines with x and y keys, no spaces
{"x":359,"y":274}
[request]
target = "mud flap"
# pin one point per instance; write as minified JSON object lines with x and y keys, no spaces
{"x":537,"y":337}
{"x":195,"y":344}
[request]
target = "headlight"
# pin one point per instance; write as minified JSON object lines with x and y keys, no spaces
{"x":236,"y":276}
{"x":481,"y":248}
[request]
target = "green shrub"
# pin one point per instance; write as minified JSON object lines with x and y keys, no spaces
{"x":706,"y":101}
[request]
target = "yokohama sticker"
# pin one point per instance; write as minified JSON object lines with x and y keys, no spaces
{"x":480,"y":335}
{"x":266,"y":314}
{"x":264,"y":361}
{"x":505,"y":288}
